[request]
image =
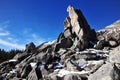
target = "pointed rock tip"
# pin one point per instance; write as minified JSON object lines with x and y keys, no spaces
{"x":69,"y":8}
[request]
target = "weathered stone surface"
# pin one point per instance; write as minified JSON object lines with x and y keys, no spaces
{"x":32,"y":75}
{"x":30,"y":48}
{"x":107,"y":72}
{"x":115,"y":55}
{"x":26,"y":71}
{"x":15,"y":78}
{"x":64,"y":43}
{"x":72,"y":77}
{"x":78,"y":23}
{"x":79,"y":28}
{"x":101,"y":44}
{"x":45,"y":46}
{"x":68,"y":32}
{"x":111,"y":32}
{"x":113,"y":43}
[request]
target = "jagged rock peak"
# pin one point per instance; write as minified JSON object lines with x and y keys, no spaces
{"x":77,"y":22}
{"x":77,"y":32}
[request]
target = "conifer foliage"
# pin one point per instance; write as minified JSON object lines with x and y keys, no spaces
{"x":6,"y":55}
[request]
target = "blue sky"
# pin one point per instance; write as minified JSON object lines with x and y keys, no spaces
{"x":23,"y":21}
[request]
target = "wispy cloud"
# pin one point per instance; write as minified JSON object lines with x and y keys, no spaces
{"x":12,"y":45}
{"x":11,"y":40}
{"x":4,"y":24}
{"x":5,"y":33}
{"x":37,"y":39}
{"x":6,"y":39}
{"x":33,"y":37}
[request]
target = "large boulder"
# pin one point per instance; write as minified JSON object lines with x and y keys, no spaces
{"x":115,"y":55}
{"x":32,"y":75}
{"x":64,"y":43}
{"x":26,"y":71}
{"x":30,"y":48}
{"x":107,"y":72}
{"x":113,"y":43}
{"x":72,"y":77}
{"x":44,"y":46}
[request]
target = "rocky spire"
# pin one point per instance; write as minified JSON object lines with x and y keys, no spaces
{"x":78,"y":23}
{"x":77,"y":30}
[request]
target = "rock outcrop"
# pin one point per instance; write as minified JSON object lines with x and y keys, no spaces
{"x":77,"y":31}
{"x":75,"y":55}
{"x":110,"y":35}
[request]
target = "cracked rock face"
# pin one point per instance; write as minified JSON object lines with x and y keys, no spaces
{"x":76,"y":26}
{"x":75,"y":55}
{"x":107,"y":72}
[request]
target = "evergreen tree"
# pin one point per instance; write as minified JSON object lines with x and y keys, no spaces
{"x":6,"y":55}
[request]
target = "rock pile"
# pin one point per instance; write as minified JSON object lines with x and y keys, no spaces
{"x":75,"y":55}
{"x":109,"y":35}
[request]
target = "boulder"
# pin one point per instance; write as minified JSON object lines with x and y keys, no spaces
{"x":21,"y":56}
{"x":26,"y":71}
{"x":113,"y":43}
{"x":33,"y":75}
{"x":30,"y":48}
{"x":61,"y":73}
{"x":107,"y":72}
{"x":87,"y":55}
{"x":79,"y":45}
{"x":66,"y":56}
{"x":72,"y":77}
{"x":44,"y":46}
{"x":115,"y":55}
{"x":15,"y":78}
{"x":101,"y":44}
{"x":64,"y":43}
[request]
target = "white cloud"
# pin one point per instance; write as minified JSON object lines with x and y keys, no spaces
{"x":36,"y":39}
{"x":8,"y":40}
{"x":13,"y":40}
{"x":12,"y":45}
{"x":32,"y":37}
{"x":5,"y":33}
